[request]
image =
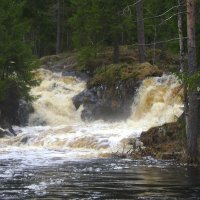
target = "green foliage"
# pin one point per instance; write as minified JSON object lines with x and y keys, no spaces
{"x":40,"y":16}
{"x":166,"y":24}
{"x":191,"y":81}
{"x":87,"y":54}
{"x":99,"y":23}
{"x":15,"y":53}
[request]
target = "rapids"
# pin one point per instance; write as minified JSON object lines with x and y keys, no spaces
{"x":58,"y":156}
{"x":56,"y":131}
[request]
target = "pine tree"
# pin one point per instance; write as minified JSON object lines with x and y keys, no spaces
{"x":140,"y":31}
{"x":15,"y":71}
{"x":97,"y":23}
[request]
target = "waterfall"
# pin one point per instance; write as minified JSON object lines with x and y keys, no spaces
{"x":56,"y":126}
{"x":159,"y":101}
{"x":53,"y":105}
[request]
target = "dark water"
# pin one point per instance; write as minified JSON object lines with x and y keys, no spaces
{"x":99,"y":179}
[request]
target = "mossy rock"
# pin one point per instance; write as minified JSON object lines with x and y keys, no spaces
{"x":146,"y":70}
{"x":46,"y":60}
{"x":110,"y":75}
{"x":165,"y":142}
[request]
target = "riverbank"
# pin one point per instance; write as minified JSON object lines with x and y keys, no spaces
{"x":164,"y":142}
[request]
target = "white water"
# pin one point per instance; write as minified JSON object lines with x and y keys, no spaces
{"x":56,"y":132}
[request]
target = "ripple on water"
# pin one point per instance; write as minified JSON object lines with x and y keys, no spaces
{"x":100,"y":179}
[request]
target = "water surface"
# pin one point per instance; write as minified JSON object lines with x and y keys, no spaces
{"x":99,"y":179}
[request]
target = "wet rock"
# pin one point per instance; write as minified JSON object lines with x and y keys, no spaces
{"x":86,"y":115}
{"x":4,"y":133}
{"x":6,"y":125}
{"x":161,"y":134}
{"x":69,"y":73}
{"x":56,"y":63}
{"x":101,"y":102}
{"x":111,"y":91}
{"x":65,"y":65}
{"x":80,"y":75}
{"x":25,"y":139}
{"x":24,"y":109}
{"x":86,"y":97}
{"x":14,"y":112}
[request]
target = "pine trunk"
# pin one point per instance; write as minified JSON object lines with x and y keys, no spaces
{"x":140,"y":31}
{"x":115,"y":52}
{"x":58,"y":35}
{"x":192,"y":120}
{"x":182,"y":60}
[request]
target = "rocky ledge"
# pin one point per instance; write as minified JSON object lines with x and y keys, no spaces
{"x":110,"y":92}
{"x":164,"y":142}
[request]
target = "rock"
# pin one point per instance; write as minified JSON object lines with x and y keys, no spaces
{"x":4,"y":133}
{"x":85,"y":97}
{"x":11,"y":130}
{"x":110,"y":92}
{"x":161,"y":134}
{"x":63,"y":64}
{"x":23,"y":112}
{"x":49,"y":60}
{"x":24,"y":109}
{"x":11,"y":107}
{"x":14,"y":112}
{"x":80,"y":75}
{"x":147,"y":70}
{"x":108,"y":104}
{"x":166,"y":141}
{"x":86,"y":115}
{"x":25,"y":139}
{"x":7,"y":126}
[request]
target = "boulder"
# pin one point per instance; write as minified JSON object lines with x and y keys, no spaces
{"x":105,"y":103}
{"x":166,"y":141}
{"x":110,"y":92}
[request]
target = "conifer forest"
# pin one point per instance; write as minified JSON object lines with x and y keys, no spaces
{"x":99,"y":99}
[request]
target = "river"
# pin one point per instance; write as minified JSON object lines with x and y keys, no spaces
{"x":58,"y":156}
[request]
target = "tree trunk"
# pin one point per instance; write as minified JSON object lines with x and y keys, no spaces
{"x":58,"y":34}
{"x":192,"y":121}
{"x":140,"y":31}
{"x":115,"y":51}
{"x":181,"y":39}
{"x":182,"y":60}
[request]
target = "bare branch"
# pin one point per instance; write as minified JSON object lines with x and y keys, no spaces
{"x":167,"y":19}
{"x":127,"y":8}
{"x":159,"y":42}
